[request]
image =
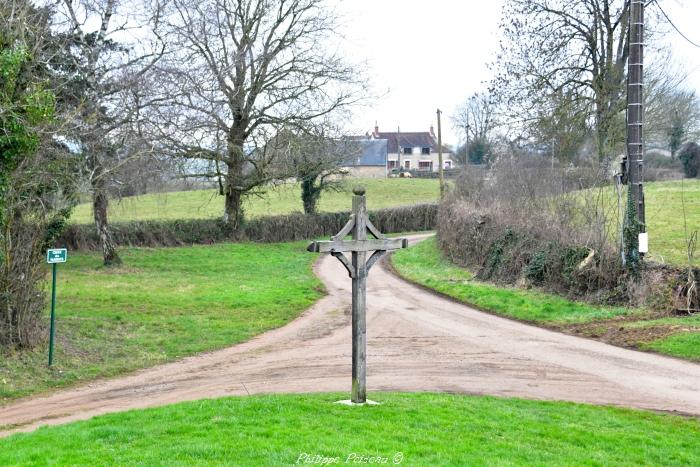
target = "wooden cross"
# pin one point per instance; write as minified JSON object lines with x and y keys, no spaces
{"x":358,"y":268}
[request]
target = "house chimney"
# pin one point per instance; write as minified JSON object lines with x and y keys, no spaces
{"x":432,"y":131}
{"x":376,"y":129}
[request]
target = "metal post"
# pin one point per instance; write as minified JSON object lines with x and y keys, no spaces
{"x":52,"y":330}
{"x":359,"y":299}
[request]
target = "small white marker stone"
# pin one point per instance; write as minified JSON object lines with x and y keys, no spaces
{"x":349,"y":402}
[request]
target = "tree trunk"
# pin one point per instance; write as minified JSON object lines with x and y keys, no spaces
{"x":233,"y":192}
{"x":233,"y":208}
{"x":601,"y":131}
{"x":310,"y":194}
{"x":100,"y":203}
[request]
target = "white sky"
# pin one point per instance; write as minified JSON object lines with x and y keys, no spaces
{"x":424,"y":55}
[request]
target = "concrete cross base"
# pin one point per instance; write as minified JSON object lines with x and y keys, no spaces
{"x":349,"y":402}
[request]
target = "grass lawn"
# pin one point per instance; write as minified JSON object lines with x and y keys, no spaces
{"x":410,"y":429}
{"x":425,"y":265}
{"x":665,"y":218}
{"x":678,"y":336}
{"x":161,"y":305}
{"x":381,"y":193}
{"x":683,"y":344}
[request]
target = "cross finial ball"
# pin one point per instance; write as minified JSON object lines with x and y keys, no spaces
{"x":359,"y":190}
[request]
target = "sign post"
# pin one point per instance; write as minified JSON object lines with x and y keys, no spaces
{"x":53,"y":257}
{"x":358,"y":268}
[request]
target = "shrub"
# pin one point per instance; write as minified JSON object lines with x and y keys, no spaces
{"x":690,"y":157}
{"x":270,"y":229}
{"x":523,"y":222}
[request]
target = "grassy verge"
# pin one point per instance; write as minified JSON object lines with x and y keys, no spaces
{"x":677,"y":336}
{"x":162,"y":305}
{"x":410,"y":429}
{"x":423,"y":264}
{"x":684,"y":344}
{"x":284,"y":199}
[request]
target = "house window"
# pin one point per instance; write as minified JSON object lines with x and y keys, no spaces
{"x":425,"y":165}
{"x":448,"y":165}
{"x":392,"y":164}
{"x":407,"y":164}
{"x":425,"y":151}
{"x":408,"y":150}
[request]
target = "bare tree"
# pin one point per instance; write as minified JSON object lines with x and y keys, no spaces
{"x":476,"y":119}
{"x":671,"y":109}
{"x":317,"y":157}
{"x":240,"y":71}
{"x":111,"y":45}
{"x":577,"y":49}
{"x":561,"y":127}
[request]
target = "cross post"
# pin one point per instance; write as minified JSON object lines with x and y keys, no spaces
{"x":358,"y":268}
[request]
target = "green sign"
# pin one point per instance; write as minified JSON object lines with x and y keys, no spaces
{"x":56,"y":255}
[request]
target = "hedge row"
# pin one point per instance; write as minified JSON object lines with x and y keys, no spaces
{"x":270,"y":229}
{"x":510,"y":253}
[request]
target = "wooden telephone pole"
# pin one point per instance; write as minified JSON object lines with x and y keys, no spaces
{"x":636,"y":242}
{"x":441,"y":173}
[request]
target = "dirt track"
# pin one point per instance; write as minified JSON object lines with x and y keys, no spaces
{"x":417,"y":342}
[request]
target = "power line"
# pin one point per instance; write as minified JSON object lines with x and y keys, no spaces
{"x":674,"y":26}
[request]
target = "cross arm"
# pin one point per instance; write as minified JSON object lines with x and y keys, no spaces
{"x":343,"y":259}
{"x":373,"y":230}
{"x":376,"y":256}
{"x":345,"y":230}
{"x":358,"y":245}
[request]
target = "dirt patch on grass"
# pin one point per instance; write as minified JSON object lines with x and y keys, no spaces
{"x":620,"y":332}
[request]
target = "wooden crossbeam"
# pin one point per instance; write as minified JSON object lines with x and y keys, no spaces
{"x":357,"y":245}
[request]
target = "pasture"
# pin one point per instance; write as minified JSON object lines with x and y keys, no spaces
{"x":667,"y":226}
{"x":280,"y":199}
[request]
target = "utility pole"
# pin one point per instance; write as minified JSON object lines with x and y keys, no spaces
{"x":636,"y":242}
{"x":398,"y":151}
{"x":441,"y":173}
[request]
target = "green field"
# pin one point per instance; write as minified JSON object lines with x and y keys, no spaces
{"x":406,"y":429}
{"x":161,"y":305}
{"x":665,"y":203}
{"x":678,"y":336}
{"x":664,"y":213}
{"x":283,"y":199}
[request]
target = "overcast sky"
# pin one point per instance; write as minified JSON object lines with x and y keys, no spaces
{"x":424,"y":55}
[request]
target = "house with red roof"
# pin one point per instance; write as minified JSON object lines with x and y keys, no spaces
{"x":417,"y":150}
